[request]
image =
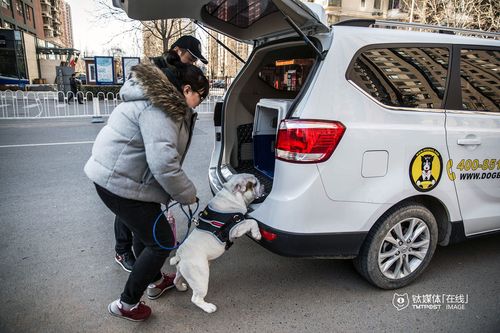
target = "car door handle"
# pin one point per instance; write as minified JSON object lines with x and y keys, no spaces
{"x":469,"y":142}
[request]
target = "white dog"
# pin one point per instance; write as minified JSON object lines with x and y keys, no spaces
{"x":219,"y":224}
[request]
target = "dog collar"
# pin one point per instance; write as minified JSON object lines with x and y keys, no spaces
{"x":219,"y":224}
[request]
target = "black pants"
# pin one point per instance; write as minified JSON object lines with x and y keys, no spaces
{"x":139,"y":217}
{"x":123,"y":237}
{"x":79,"y":97}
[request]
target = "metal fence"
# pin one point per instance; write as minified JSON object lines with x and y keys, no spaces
{"x":50,"y":104}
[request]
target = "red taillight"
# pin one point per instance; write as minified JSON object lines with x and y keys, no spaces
{"x":307,"y":141}
{"x":267,"y":235}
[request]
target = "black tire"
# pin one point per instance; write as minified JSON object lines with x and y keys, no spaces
{"x":367,"y":262}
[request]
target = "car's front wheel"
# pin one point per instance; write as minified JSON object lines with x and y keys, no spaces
{"x":399,"y":247}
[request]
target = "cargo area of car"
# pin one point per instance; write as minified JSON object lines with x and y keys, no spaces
{"x":256,"y":103}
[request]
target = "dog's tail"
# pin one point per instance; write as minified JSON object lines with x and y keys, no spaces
{"x":174,"y":260}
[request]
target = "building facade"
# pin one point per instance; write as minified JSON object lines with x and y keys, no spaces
{"x":221,"y":63}
{"x":22,"y":15}
{"x":35,"y":37}
{"x":57,"y":25}
{"x":67,"y":26}
{"x":340,"y":10}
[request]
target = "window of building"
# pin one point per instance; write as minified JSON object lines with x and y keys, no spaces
{"x":376,"y":4}
{"x":5,"y":4}
{"x":19,"y":7}
{"x":420,"y":87}
{"x":28,"y":12}
{"x":12,"y":56}
{"x":92,"y":72}
{"x":480,"y":79}
{"x":335,"y":3}
{"x":363,"y":3}
{"x":393,"y":4}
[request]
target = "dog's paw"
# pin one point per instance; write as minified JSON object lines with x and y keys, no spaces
{"x":181,"y":287}
{"x":208,"y":307}
{"x":257,"y":236}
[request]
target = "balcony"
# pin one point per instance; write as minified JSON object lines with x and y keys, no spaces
{"x":46,"y":14}
{"x":45,"y":2}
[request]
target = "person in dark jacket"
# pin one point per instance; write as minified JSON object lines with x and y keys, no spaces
{"x":136,"y":165}
{"x":74,"y":83}
{"x":187,"y":49}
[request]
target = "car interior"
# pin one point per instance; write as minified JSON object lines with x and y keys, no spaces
{"x":278,"y":71}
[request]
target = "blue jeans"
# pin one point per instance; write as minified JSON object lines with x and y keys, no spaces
{"x":139,"y":217}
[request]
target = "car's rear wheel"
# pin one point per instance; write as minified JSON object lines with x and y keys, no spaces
{"x":399,"y":247}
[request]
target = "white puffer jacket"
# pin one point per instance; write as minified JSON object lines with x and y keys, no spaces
{"x":139,"y":153}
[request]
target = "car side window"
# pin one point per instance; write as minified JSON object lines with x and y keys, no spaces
{"x":413,"y":77}
{"x":480,"y":79}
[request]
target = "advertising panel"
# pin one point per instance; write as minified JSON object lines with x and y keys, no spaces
{"x":104,"y":70}
{"x":127,"y":63}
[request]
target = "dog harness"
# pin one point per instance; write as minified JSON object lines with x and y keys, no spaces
{"x":219,"y":224}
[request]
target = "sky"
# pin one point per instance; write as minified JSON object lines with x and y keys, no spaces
{"x":96,"y":37}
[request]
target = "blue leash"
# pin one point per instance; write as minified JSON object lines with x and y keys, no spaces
{"x":190,"y":220}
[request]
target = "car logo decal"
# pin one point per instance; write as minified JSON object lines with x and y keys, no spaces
{"x":425,"y":169}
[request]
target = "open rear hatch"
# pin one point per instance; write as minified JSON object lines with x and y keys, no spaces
{"x":244,"y":20}
{"x":270,"y":83}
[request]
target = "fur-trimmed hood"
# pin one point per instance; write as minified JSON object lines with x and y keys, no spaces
{"x":148,"y":82}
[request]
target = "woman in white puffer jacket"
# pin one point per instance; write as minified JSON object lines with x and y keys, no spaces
{"x":136,"y":165}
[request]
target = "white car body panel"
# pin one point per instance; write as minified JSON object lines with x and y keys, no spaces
{"x":479,"y":198}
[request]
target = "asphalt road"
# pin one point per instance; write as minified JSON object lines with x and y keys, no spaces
{"x":58,"y":274}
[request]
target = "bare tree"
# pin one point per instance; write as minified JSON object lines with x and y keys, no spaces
{"x":155,"y":31}
{"x":469,"y":14}
{"x":166,"y":30}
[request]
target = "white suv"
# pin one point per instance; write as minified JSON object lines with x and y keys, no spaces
{"x":374,"y":144}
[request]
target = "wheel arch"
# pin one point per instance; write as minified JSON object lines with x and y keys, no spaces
{"x":436,"y":207}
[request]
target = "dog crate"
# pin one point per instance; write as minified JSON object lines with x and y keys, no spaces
{"x":268,"y":114}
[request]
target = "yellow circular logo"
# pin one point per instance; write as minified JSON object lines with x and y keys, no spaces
{"x":425,"y":169}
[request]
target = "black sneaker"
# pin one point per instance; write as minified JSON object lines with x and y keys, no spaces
{"x":126,"y":260}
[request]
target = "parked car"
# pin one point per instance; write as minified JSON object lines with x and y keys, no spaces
{"x":219,"y":84}
{"x":374,"y":144}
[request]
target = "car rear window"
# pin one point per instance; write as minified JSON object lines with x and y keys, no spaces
{"x":413,"y":77}
{"x":241,"y":13}
{"x":480,"y":79}
{"x":286,"y":74}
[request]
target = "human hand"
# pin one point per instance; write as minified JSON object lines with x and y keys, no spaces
{"x":192,"y":201}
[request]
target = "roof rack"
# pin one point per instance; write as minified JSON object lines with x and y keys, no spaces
{"x":417,"y":27}
{"x":356,"y":23}
{"x":436,"y":28}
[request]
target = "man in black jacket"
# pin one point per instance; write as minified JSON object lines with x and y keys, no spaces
{"x":73,"y":82}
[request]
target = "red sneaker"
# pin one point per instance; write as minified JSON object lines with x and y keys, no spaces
{"x":140,"y":312}
{"x":154,"y":291}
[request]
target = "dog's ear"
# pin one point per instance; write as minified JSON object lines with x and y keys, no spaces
{"x":240,"y":187}
{"x":250,"y":186}
{"x":234,"y":185}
